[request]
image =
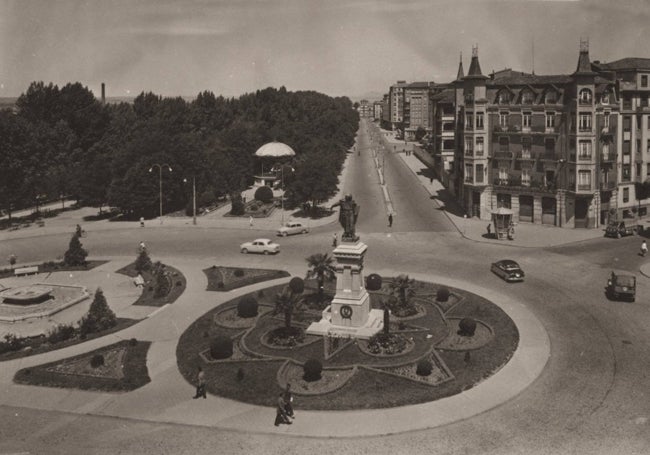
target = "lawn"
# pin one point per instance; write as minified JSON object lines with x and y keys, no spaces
{"x":228,"y":278}
{"x":353,"y":378}
{"x":176,"y":280}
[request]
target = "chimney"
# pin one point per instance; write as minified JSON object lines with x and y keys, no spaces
{"x":103,"y":93}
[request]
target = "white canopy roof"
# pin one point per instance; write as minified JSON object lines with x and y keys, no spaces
{"x":275,"y":149}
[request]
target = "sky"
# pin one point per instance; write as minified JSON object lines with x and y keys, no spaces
{"x":338,"y":47}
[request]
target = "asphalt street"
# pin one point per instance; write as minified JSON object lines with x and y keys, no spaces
{"x":590,"y":398}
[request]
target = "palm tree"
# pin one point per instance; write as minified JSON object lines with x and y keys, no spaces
{"x":321,"y":266}
{"x":287,"y":302}
{"x":402,"y":287}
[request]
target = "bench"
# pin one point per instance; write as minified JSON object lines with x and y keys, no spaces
{"x":26,"y":270}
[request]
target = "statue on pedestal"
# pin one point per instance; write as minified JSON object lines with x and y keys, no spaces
{"x":348,"y":215}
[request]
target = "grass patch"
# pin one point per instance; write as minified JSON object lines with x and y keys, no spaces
{"x":125,"y":369}
{"x":26,"y":347}
{"x":228,"y":278}
{"x":379,"y":382}
{"x":178,"y":283}
{"x":52,"y":266}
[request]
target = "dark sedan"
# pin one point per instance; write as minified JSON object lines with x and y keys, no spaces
{"x":508,"y":269}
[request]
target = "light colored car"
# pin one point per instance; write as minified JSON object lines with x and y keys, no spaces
{"x":264,"y":246}
{"x":508,"y":269}
{"x":293,"y":227}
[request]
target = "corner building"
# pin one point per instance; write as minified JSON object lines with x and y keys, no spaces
{"x":542,"y":146}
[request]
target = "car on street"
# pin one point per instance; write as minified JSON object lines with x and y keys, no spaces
{"x":292,"y":227}
{"x":508,"y":269}
{"x":621,"y":287}
{"x":620,"y":229}
{"x":263,"y":246}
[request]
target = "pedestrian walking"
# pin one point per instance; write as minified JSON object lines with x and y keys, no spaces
{"x":390,"y":220}
{"x":489,"y":229}
{"x":281,"y":412}
{"x":250,"y":221}
{"x":200,"y":384}
{"x":141,"y":221}
{"x":335,"y":240}
{"x":431,"y":179}
{"x":288,"y":402}
{"x":644,"y":248}
{"x":142,"y":246}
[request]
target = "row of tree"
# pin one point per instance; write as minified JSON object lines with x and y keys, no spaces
{"x":63,"y":141}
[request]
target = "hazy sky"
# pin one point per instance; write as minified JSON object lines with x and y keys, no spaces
{"x":338,"y":47}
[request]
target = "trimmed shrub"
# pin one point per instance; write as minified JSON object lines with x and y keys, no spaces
{"x":247,"y":307}
{"x":99,"y":317}
{"x":237,"y":207}
{"x":442,"y":295}
{"x":467,"y":327}
{"x":221,"y":347}
{"x":97,"y":361}
{"x":75,"y":255}
{"x":239,"y":273}
{"x":162,"y":281}
{"x":264,"y":194}
{"x":61,"y":333}
{"x":133,"y":342}
{"x":297,"y":285}
{"x":424,"y":368}
{"x":312,"y":370}
{"x":373,"y":282}
{"x":143,"y":262}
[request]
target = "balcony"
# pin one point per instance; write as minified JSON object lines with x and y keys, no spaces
{"x":584,"y":186}
{"x":503,"y":155}
{"x":584,"y":157}
{"x":607,"y":186}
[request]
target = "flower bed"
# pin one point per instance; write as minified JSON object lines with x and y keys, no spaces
{"x":224,"y":279}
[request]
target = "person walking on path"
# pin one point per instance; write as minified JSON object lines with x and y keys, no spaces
{"x":644,"y":248}
{"x":431,"y":179}
{"x":250,"y":221}
{"x":288,"y":402}
{"x":335,"y":240}
{"x":281,"y":412}
{"x":142,"y":247}
{"x":489,"y":229}
{"x":200,"y":384}
{"x":390,"y":220}
{"x":141,"y":221}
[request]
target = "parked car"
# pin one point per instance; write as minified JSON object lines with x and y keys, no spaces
{"x":508,"y":269}
{"x":293,"y":227}
{"x":621,"y":287}
{"x":264,"y":246}
{"x":620,"y":229}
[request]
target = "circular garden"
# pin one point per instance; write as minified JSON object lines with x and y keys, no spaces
{"x":440,"y":341}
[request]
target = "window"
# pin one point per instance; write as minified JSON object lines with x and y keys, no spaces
{"x":627,"y":102}
{"x":469,"y":98}
{"x":604,"y":98}
{"x":469,"y":121}
{"x":647,"y":172}
{"x":525,"y":177}
{"x":526,"y":119}
{"x":549,"y":147}
{"x":584,"y":150}
{"x":479,"y":120}
{"x":606,"y":152}
{"x":644,"y":80}
{"x":527,"y":97}
{"x":584,"y":122}
{"x":479,"y":146}
{"x":648,"y":145}
{"x":525,"y":147}
{"x":626,"y":194}
{"x":584,"y":96}
{"x":504,"y":97}
{"x":469,"y":146}
{"x":504,"y":144}
{"x":584,"y":180}
{"x":606,"y":119}
{"x":479,"y":173}
{"x":469,"y":173}
{"x":550,"y":97}
{"x":627,"y":123}
{"x":503,"y":175}
{"x":627,"y":173}
{"x":503,"y":119}
{"x":550,"y":120}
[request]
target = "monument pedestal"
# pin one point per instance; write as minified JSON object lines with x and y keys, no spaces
{"x":349,"y":314}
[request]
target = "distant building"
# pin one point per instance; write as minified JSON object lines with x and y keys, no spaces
{"x":377,"y":110}
{"x":416,"y":109}
{"x":396,"y":105}
{"x":365,"y":109}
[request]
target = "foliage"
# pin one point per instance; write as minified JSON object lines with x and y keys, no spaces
{"x":99,"y":317}
{"x":237,"y":207}
{"x":387,"y":344}
{"x":424,"y":368}
{"x":420,"y":133}
{"x":442,"y":295}
{"x":312,"y":370}
{"x":76,"y":254}
{"x":321,"y":267}
{"x":403,"y":288}
{"x":297,"y":285}
{"x":247,"y":307}
{"x":221,"y":347}
{"x":143,"y":262}
{"x":264,"y":194}
{"x":467,"y":327}
{"x":61,"y":332}
{"x":162,"y":280}
{"x":97,"y":360}
{"x":286,"y":302}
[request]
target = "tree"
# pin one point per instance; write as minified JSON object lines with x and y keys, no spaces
{"x":162,"y":284}
{"x":99,"y":317}
{"x":315,"y":180}
{"x":286,"y":302}
{"x":321,"y":266}
{"x":143,"y":262}
{"x":402,"y":287}
{"x":420,"y":133}
{"x":76,"y":254}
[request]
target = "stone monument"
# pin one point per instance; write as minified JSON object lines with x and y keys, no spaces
{"x":349,"y":314}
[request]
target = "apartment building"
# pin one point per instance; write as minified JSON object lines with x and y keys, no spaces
{"x":416,"y":109}
{"x":396,"y":105}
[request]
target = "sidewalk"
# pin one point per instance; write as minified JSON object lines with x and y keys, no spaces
{"x":526,"y":234}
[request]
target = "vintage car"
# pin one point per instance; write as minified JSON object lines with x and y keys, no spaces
{"x":621,"y":287}
{"x":264,"y":246}
{"x":508,"y":269}
{"x":292,"y":227}
{"x":620,"y":229}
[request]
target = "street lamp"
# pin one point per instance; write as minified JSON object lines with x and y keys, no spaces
{"x":160,"y":166}
{"x":282,"y":187}
{"x":193,"y":199}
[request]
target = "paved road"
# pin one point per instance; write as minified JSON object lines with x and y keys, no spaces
{"x":591,"y":398}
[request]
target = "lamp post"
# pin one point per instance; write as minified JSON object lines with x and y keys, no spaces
{"x":193,"y":199}
{"x":160,"y":166}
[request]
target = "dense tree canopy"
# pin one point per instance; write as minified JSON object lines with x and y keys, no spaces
{"x":66,"y":142}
